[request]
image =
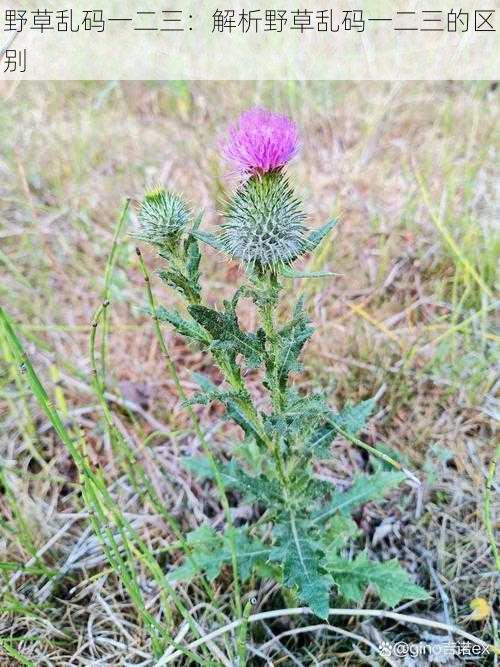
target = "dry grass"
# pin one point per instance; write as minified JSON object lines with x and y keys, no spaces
{"x":410,"y":169}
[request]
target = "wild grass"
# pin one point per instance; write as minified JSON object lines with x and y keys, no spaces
{"x":95,"y":505}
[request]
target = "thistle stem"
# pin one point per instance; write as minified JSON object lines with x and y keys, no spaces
{"x":278,"y":396}
{"x":254,"y":418}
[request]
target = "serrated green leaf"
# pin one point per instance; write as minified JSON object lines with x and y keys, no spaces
{"x":211,"y":551}
{"x":389,"y":579}
{"x":231,"y":401}
{"x":207,"y":397}
{"x":320,"y":442}
{"x":303,"y":565}
{"x":193,"y":258}
{"x":304,"y":414}
{"x":318,"y":235}
{"x":196,"y":222}
{"x":225,"y":330}
{"x":287,"y":272}
{"x":248,"y":451}
{"x":307,"y":488}
{"x":185,"y":327}
{"x":186,"y":285}
{"x":203,"y":535}
{"x":299,"y":421}
{"x":198,"y":465}
{"x":352,"y":418}
{"x":256,"y":488}
{"x":292,"y":339}
{"x":364,"y":489}
{"x":206,"y":556}
{"x":238,"y":415}
{"x":208,"y":238}
{"x":204,"y":382}
{"x":340,"y":529}
{"x":185,"y":573}
{"x":249,"y":552}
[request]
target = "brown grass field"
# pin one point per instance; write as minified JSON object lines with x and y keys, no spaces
{"x":410,"y":170}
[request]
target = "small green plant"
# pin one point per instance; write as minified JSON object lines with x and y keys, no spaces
{"x":302,"y":523}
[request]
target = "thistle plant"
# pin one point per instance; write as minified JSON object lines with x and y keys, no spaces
{"x":303,"y":525}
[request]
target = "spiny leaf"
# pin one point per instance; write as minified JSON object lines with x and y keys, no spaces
{"x":304,"y":414}
{"x":193,"y":258}
{"x":389,"y":579}
{"x":321,"y":441}
{"x":364,"y":489}
{"x":254,"y":488}
{"x":299,"y":421}
{"x":205,"y":556}
{"x":187,"y":286}
{"x":232,"y":401}
{"x":287,"y":272}
{"x":249,"y":552}
{"x":237,"y":413}
{"x":352,"y":419}
{"x":307,"y":487}
{"x":199,"y":466}
{"x":204,"y":382}
{"x":292,"y":338}
{"x":184,"y":327}
{"x":224,"y":328}
{"x":210,"y":551}
{"x":303,"y":565}
{"x":208,"y":238}
{"x":207,"y":397}
{"x":318,"y":235}
{"x":340,"y":530}
{"x":248,"y":451}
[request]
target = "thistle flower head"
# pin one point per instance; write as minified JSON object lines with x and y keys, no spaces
{"x":264,"y":223}
{"x":162,"y":216}
{"x":260,"y":142}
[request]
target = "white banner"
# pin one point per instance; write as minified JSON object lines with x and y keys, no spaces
{"x":258,"y":39}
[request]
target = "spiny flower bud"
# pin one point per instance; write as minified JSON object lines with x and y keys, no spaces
{"x":264,"y":222}
{"x":162,"y":216}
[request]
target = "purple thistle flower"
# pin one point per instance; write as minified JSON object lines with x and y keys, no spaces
{"x":261,"y":141}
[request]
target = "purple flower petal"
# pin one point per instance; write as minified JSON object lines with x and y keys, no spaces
{"x":261,"y":141}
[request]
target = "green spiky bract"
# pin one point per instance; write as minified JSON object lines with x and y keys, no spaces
{"x":162,"y":217}
{"x":264,"y":222}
